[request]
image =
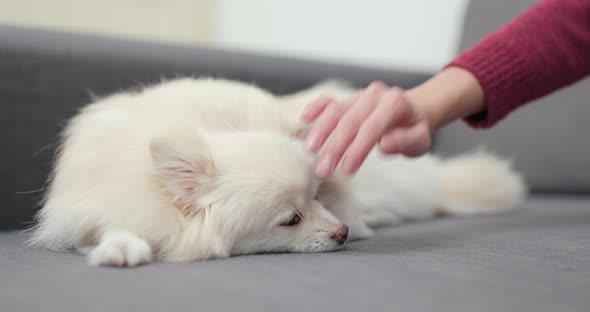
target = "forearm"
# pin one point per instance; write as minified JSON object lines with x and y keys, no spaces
{"x":452,"y":94}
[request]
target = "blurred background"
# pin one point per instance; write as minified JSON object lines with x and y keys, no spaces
{"x":421,"y":34}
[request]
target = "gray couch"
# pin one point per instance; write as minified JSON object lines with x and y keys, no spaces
{"x":536,"y":258}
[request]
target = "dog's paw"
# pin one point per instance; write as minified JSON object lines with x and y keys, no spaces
{"x":358,"y":231}
{"x":357,"y":228}
{"x":120,"y":249}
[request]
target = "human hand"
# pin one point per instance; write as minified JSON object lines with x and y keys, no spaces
{"x":379,"y":114}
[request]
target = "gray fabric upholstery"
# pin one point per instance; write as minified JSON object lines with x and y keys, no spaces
{"x":45,"y":76}
{"x":534,"y":259}
{"x":548,"y":139}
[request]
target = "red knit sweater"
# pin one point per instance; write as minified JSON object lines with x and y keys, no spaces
{"x":545,"y":48}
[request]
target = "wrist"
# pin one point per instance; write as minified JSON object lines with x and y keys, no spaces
{"x":452,"y":94}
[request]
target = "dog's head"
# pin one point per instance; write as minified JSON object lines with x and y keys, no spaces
{"x":246,"y":192}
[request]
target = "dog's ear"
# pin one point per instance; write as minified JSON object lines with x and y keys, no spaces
{"x":184,"y":169}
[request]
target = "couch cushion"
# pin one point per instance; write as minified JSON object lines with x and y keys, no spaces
{"x":535,"y":259}
{"x":547,"y":139}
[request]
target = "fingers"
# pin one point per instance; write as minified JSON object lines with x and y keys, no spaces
{"x":315,"y":108}
{"x":375,"y":115}
{"x":390,"y":111}
{"x":325,"y":123}
{"x":347,"y":128}
{"x":412,"y":141}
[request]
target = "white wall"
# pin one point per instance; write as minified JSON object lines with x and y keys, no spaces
{"x":185,"y":21}
{"x":418,"y":34}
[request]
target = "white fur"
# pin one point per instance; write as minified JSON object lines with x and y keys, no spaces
{"x":200,"y":169}
{"x":120,"y":248}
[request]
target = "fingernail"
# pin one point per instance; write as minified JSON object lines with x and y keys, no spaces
{"x":312,"y":143}
{"x":325,"y":166}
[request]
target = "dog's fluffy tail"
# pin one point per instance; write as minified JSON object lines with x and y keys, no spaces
{"x":479,"y":183}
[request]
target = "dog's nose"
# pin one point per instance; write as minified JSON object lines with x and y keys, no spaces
{"x":340,"y":235}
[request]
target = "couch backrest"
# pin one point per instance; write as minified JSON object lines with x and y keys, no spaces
{"x":549,"y":139}
{"x":45,"y":76}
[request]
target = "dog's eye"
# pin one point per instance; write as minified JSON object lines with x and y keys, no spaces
{"x":293,"y":221}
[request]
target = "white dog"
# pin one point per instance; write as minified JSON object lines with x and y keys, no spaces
{"x":200,"y":169}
